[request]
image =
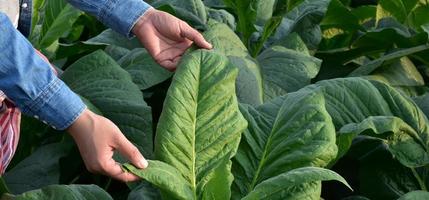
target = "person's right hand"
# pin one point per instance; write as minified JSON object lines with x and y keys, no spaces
{"x":166,"y":37}
{"x":97,"y":138}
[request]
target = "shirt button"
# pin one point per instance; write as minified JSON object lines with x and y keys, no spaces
{"x":35,"y":116}
{"x":24,"y":5}
{"x":54,"y":127}
{"x":44,"y":122}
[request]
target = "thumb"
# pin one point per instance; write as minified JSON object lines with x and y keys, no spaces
{"x":191,"y":34}
{"x":127,"y":149}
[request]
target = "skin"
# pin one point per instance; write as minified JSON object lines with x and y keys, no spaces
{"x":166,"y":38}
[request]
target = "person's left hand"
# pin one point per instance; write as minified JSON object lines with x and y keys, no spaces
{"x":166,"y":37}
{"x":97,"y":138}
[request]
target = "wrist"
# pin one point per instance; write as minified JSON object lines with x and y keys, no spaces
{"x":143,"y":20}
{"x":84,"y":122}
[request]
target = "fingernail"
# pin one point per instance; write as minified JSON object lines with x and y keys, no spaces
{"x":144,"y":164}
{"x":210,"y":45}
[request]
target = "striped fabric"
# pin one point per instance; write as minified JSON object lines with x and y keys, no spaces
{"x":10,"y":119}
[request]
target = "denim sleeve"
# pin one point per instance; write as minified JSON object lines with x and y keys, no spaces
{"x":30,"y":83}
{"x":119,"y":15}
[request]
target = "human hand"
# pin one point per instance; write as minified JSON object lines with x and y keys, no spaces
{"x":97,"y":138}
{"x":166,"y":37}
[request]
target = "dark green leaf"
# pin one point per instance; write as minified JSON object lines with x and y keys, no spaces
{"x":143,"y":69}
{"x":403,"y":142}
{"x":99,"y":79}
{"x":40,"y":169}
{"x":145,"y":191}
{"x":288,"y":185}
{"x":285,"y":134}
{"x":66,"y":192}
{"x":303,"y":19}
{"x":110,"y":37}
{"x":346,"y":102}
{"x":415,"y":195}
{"x":423,"y":103}
{"x":166,"y":177}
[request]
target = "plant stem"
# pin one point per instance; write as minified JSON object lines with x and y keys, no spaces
{"x":419,"y":179}
{"x":108,"y":184}
{"x":3,"y":187}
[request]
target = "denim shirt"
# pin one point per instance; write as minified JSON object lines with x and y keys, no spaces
{"x":28,"y":80}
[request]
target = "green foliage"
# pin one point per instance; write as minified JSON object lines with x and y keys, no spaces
{"x":56,"y":22}
{"x":265,"y":152}
{"x":325,"y":87}
{"x":66,"y":192}
{"x":100,"y":80}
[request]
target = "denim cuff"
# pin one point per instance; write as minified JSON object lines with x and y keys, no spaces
{"x":121,"y":16}
{"x":56,"y":105}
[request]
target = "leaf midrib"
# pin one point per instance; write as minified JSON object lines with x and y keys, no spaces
{"x":264,"y":155}
{"x":194,"y":185}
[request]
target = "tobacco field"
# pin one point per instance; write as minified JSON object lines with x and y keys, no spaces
{"x":299,"y":99}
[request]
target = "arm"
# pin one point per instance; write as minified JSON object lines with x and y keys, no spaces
{"x":29,"y":81}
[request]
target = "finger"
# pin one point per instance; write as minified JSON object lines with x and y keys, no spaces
{"x":114,"y":170}
{"x":193,"y":35}
{"x":170,"y":65}
{"x":127,"y":149}
{"x":171,"y":53}
{"x":177,"y":60}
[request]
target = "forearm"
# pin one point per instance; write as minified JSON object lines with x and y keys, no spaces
{"x":29,"y":81}
{"x":120,"y":15}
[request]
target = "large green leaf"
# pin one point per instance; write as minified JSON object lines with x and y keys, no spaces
{"x":422,"y":102}
{"x":40,"y":169}
{"x":276,"y":71}
{"x":144,"y":190}
{"x":66,"y":192}
{"x":294,"y":184}
{"x":249,"y":80}
{"x":110,"y":37}
{"x":200,"y":125}
{"x":192,"y":11}
{"x":401,"y":72}
{"x":222,"y":16}
{"x":199,"y":130}
{"x":285,"y":134}
{"x":165,"y":176}
{"x":284,"y":70}
{"x":100,"y":80}
{"x":379,"y":174}
{"x":304,"y":19}
{"x":415,"y":195}
{"x":59,"y":18}
{"x":402,"y":140}
{"x":347,"y":102}
{"x":143,"y":68}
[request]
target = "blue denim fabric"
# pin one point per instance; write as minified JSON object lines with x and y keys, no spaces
{"x":29,"y":81}
{"x":119,"y":15}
